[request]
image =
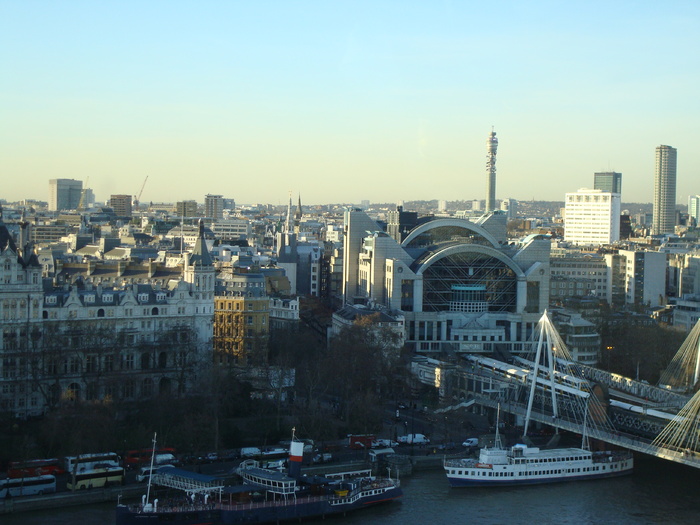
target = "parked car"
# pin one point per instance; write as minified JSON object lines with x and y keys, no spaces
{"x":322,"y":458}
{"x":471,"y":442}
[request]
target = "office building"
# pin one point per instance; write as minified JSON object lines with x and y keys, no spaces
{"x":694,"y":210}
{"x":400,"y":223}
{"x":609,"y":181}
{"x":644,"y":275}
{"x":592,"y":217}
{"x":575,"y":274}
{"x":121,"y":205}
{"x":214,"y":206}
{"x":510,"y":206}
{"x":664,"y":191}
{"x":64,"y":194}
{"x":186,"y":208}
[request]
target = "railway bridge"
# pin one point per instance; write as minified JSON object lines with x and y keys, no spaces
{"x":548,"y":387}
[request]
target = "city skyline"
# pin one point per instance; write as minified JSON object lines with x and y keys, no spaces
{"x":381,"y":101}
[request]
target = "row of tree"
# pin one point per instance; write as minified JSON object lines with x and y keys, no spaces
{"x":339,"y":387}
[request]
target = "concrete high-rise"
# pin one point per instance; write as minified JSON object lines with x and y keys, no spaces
{"x":694,"y":210}
{"x":592,"y":217}
{"x":491,"y":148}
{"x":664,"y":220}
{"x":121,"y":204}
{"x":186,"y":208}
{"x":64,"y":194}
{"x":608,"y":181}
{"x":214,"y":206}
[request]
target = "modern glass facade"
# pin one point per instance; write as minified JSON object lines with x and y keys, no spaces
{"x":445,"y":276}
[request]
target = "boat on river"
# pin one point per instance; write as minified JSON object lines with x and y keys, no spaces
{"x":262,"y":496}
{"x":521,"y":464}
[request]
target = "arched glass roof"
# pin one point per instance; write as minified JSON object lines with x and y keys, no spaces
{"x":442,"y":231}
{"x":445,"y":279}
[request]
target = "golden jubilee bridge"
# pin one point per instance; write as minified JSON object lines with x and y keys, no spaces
{"x":548,"y":387}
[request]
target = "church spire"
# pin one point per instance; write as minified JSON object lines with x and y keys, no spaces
{"x":200,"y":254}
{"x":288,"y":224}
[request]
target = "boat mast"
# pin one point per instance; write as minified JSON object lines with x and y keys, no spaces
{"x":497,"y":442}
{"x":150,"y":476}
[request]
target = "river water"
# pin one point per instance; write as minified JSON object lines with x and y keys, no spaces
{"x":657,"y":492}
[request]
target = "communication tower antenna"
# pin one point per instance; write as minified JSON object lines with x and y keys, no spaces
{"x":491,"y":148}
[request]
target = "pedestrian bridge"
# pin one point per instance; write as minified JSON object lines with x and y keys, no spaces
{"x":549,"y":387}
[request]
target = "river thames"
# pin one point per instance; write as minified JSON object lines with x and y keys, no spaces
{"x":657,"y":492}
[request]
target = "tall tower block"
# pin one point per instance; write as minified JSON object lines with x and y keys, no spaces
{"x":664,"y":219}
{"x":491,"y":147}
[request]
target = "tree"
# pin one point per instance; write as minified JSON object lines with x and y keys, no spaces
{"x":362,"y":361}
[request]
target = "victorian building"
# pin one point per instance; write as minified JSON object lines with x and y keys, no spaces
{"x":99,"y":334}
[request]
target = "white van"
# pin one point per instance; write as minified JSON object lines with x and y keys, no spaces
{"x":417,"y":439}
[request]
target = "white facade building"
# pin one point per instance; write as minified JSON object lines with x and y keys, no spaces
{"x":232,"y":229}
{"x":644,"y":277}
{"x":592,"y":217}
{"x":694,"y":209}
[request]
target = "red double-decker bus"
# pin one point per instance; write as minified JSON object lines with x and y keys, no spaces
{"x":34,"y":467}
{"x":136,"y":458}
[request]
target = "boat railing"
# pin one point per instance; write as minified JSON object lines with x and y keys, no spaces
{"x":166,"y":508}
{"x":271,"y":503}
{"x":460,"y":462}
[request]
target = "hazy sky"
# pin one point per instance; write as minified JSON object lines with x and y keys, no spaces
{"x":344,"y":101}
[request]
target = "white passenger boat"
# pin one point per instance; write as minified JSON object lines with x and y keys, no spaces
{"x":521,"y":465}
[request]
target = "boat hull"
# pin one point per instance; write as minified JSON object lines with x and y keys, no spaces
{"x":255,"y":513}
{"x":523,"y":465}
{"x":463,"y":481}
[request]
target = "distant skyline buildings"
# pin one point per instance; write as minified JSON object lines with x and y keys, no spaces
{"x":214,"y":206}
{"x":694,"y":209}
{"x":64,"y":194}
{"x":664,"y":219}
{"x":121,"y":205}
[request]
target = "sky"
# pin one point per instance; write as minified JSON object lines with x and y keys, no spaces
{"x":339,"y":102}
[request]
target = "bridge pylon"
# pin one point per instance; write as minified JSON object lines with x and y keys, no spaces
{"x":683,"y":372}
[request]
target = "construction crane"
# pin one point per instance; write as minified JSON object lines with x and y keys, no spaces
{"x":83,"y":196}
{"x":137,"y":198}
